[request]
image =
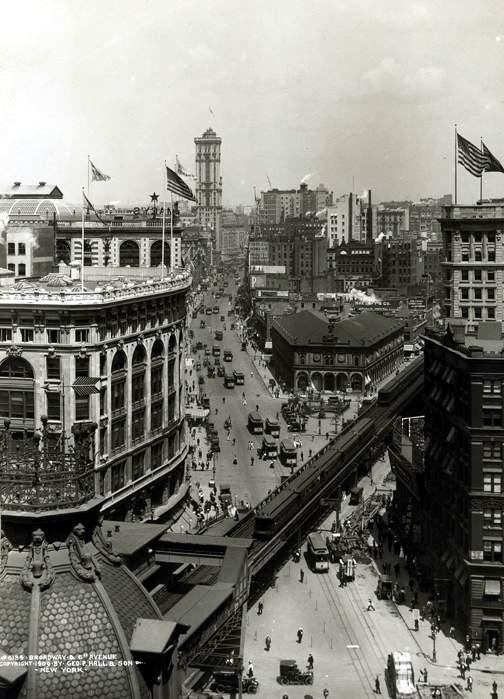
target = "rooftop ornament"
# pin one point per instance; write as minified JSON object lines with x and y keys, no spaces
{"x":42,"y":473}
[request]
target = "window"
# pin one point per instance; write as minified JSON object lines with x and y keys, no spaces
{"x":491,"y":255}
{"x":21,"y":249}
{"x":491,"y":313}
{"x":53,"y":336}
{"x":157,"y":415}
{"x":82,"y":335}
{"x":138,"y":424}
{"x":53,"y":406}
{"x":465,"y":255}
{"x":118,"y":395}
{"x":118,"y":433}
{"x":465,"y":294}
{"x":492,"y":417}
{"x":477,"y":294}
{"x":492,"y":551}
{"x":11,"y":249}
{"x":5,"y":334}
{"x":21,"y":270}
{"x":11,"y":267}
{"x":156,"y":455}
{"x":26,"y":335}
{"x":17,"y":404}
{"x":477,"y":313}
{"x":103,"y":364}
{"x":477,"y":255}
{"x":137,"y":388}
{"x":492,"y":386}
{"x":490,"y":237}
{"x":492,"y":482}
{"x":491,"y":294}
{"x":82,"y":407}
{"x":491,"y":276}
{"x":103,"y":441}
{"x":82,"y":366}
{"x":137,"y":465}
{"x":492,"y":450}
{"x":156,"y":380}
{"x":492,"y":518}
{"x":465,"y":313}
{"x":53,"y":367}
{"x":118,"y":476}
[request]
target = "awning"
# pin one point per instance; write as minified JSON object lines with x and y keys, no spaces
{"x":197,"y":412}
{"x":492,"y":588}
{"x":451,"y":434}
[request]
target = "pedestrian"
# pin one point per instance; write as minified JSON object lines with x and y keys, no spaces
{"x":325,"y":693}
{"x":310,"y":661}
{"x":478,"y":651}
{"x":267,"y":642}
{"x":377,"y":687}
{"x":260,"y":608}
{"x":300,"y":634}
{"x":250,"y":670}
{"x":469,"y":683}
{"x":462,"y":670}
{"x":302,"y":456}
{"x":251,"y":374}
{"x":301,"y":575}
{"x":234,"y":441}
{"x":425,"y":675}
{"x":370,"y":606}
{"x":251,"y":460}
{"x":468,"y":662}
{"x":235,"y":460}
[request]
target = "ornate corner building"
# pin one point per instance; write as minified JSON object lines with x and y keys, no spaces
{"x":111,"y":355}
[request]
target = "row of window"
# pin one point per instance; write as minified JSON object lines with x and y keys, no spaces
{"x":21,"y":269}
{"x":476,"y":294}
{"x":476,"y":275}
{"x":477,"y":237}
{"x":477,"y":256}
{"x":478,"y":312}
{"x":11,"y":248}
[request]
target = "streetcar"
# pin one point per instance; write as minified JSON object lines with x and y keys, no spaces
{"x":216,"y":350}
{"x":317,"y":553}
{"x":269,"y":448}
{"x":239,"y":378}
{"x":255,"y":423}
{"x":288,"y":452}
{"x":272,"y":427}
{"x":218,"y":334}
{"x":228,"y":355}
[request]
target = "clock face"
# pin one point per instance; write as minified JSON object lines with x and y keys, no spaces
{"x":316,"y":357}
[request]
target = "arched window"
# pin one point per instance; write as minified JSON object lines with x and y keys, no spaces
{"x":88,"y":253}
{"x":139,"y":355}
{"x":302,"y":381}
{"x":119,"y":366}
{"x":138,"y":378}
{"x":120,"y":361}
{"x":155,"y":254}
{"x":157,"y":350}
{"x":129,"y":254}
{"x":63,"y":252}
{"x":172,"y":345}
{"x":17,"y":391}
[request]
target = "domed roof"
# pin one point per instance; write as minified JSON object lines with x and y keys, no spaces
{"x":88,"y":604}
{"x":45,"y":208}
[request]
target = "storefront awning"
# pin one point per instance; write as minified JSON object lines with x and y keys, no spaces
{"x":197,"y":412}
{"x":492,"y":588}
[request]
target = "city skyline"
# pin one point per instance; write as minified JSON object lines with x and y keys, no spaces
{"x":344,"y":91}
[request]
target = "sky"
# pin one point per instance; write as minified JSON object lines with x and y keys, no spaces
{"x":357,"y":93}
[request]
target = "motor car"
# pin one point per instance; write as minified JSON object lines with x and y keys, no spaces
{"x":209,"y":311}
{"x":216,"y":361}
{"x":221,"y":371}
{"x":207,"y":351}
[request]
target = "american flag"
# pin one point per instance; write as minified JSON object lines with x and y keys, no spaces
{"x":98,"y":175}
{"x":492,"y":164}
{"x":177,"y":186}
{"x":471,"y":157}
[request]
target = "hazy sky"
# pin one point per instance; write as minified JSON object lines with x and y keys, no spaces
{"x":343,"y":89}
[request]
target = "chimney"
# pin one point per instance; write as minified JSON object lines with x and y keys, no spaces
{"x":17,"y":184}
{"x":42,"y":184}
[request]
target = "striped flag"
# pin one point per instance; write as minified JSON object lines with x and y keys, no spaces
{"x":492,"y":164}
{"x":98,"y":175}
{"x":177,"y":186}
{"x":471,"y":157}
{"x":87,"y":204}
{"x":181,"y":169}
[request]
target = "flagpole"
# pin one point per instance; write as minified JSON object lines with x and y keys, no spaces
{"x":82,"y":244}
{"x":481,"y":176}
{"x":88,"y":183}
{"x":171,"y":233}
{"x":164,"y":224}
{"x":456,"y":166}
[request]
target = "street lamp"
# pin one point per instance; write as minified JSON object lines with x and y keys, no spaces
{"x":434,"y":634}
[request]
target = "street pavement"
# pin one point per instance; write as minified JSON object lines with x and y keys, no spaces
{"x":349,"y":644}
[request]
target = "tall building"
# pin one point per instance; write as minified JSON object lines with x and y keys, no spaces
{"x":344,"y":220}
{"x":112,"y":356}
{"x":464,"y":425}
{"x":209,"y":183}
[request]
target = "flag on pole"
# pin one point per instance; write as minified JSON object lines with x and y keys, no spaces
{"x":90,"y":207}
{"x":211,"y":111}
{"x":177,"y":186}
{"x":492,"y":164}
{"x":181,"y":169}
{"x":470,"y":157}
{"x":97,"y":175}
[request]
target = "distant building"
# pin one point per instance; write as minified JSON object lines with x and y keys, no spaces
{"x":401,"y":264}
{"x":350,"y":217}
{"x":392,"y":220}
{"x":235,"y":233}
{"x":310,"y":351}
{"x":277,"y":205}
{"x":209,"y":182}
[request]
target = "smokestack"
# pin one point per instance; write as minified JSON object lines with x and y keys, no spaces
{"x":350,"y":217}
{"x":369,"y":219}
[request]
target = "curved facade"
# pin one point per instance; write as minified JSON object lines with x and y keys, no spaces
{"x":115,"y":357}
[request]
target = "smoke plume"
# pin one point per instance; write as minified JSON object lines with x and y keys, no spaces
{"x":306,"y":178}
{"x":359,"y":296}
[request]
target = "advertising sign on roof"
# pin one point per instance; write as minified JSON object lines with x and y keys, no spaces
{"x":267,"y":269}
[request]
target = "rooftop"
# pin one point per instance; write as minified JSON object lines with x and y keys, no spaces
{"x":484,"y":210}
{"x":56,"y":288}
{"x":312,"y":328}
{"x":488,"y":341}
{"x":39,"y":190}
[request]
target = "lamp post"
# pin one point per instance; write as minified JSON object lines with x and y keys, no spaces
{"x":434,"y":634}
